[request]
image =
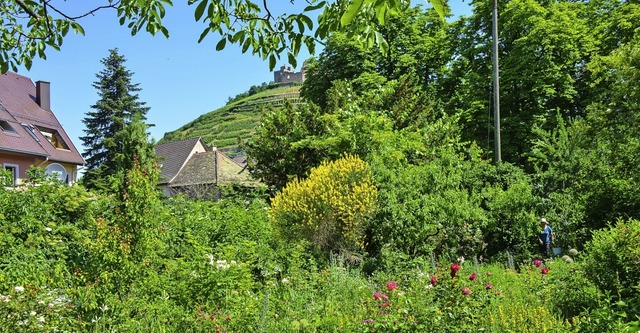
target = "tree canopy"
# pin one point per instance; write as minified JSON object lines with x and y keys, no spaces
{"x":29,"y":27}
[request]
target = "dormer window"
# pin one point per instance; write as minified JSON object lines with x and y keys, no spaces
{"x":6,"y":127}
{"x":53,"y":137}
{"x":29,"y":130}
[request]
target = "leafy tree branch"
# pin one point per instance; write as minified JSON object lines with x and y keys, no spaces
{"x":30,"y":26}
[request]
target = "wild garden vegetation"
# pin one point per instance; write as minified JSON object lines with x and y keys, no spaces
{"x":383,"y":210}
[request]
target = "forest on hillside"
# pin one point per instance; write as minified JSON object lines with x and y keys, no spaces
{"x":383,"y":210}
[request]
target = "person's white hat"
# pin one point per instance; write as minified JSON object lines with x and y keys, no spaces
{"x":544,"y":220}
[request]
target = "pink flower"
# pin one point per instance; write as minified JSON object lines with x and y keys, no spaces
{"x":433,"y":281}
{"x":378,"y":296}
{"x":454,"y":269}
{"x":545,"y":270}
{"x":473,"y":276}
{"x":467,"y":291}
{"x":537,"y":262}
{"x":488,"y":286}
{"x":391,"y":285}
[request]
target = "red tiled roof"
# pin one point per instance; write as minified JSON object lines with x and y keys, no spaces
{"x":18,"y":107}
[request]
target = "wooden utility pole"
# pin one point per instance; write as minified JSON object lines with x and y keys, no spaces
{"x":496,"y":87}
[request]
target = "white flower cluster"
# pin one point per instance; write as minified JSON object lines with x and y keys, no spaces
{"x":220,"y":264}
{"x":48,"y":302}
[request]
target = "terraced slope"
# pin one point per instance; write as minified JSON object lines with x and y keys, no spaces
{"x":236,"y":120}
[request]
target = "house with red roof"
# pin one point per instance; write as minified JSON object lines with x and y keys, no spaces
{"x":30,"y":134}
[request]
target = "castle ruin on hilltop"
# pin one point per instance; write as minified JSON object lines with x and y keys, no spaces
{"x":287,"y":75}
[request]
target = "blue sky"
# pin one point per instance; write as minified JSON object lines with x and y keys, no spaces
{"x":180,"y":79}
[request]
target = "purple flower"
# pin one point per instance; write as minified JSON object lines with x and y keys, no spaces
{"x":537,"y":262}
{"x":391,"y":285}
{"x":433,"y":280}
{"x":473,"y":276}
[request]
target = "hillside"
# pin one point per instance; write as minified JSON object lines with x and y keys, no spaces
{"x":236,"y":120}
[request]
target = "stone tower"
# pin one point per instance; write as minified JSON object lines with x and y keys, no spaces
{"x":287,"y":75}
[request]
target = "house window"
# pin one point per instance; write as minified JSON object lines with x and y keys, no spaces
{"x":13,"y":169}
{"x":29,"y":130}
{"x":5,"y":126}
{"x":53,"y":137}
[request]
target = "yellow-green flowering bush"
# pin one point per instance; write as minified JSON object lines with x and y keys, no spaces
{"x":331,"y":207}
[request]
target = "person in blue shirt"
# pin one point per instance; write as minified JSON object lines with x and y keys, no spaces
{"x":545,"y":238}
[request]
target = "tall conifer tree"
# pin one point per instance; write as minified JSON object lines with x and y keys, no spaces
{"x":117,"y":107}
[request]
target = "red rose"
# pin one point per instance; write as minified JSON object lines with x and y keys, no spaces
{"x":473,"y":276}
{"x":433,"y":281}
{"x":391,"y":285}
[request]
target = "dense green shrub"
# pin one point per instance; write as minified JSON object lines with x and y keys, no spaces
{"x":612,"y":257}
{"x":512,"y":223}
{"x":571,"y":293}
{"x":424,"y":209}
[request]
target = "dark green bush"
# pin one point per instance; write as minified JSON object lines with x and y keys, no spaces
{"x":425,"y":209}
{"x":612,"y":258}
{"x":571,"y":293}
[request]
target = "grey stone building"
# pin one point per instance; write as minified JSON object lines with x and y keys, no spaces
{"x":287,"y":75}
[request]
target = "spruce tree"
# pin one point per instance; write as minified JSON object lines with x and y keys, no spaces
{"x":117,"y":106}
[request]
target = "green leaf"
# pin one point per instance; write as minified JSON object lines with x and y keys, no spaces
{"x":200,"y":10}
{"x":272,"y":62}
{"x":246,"y":44}
{"x":296,"y":43}
{"x":439,"y":6}
{"x":77,"y":28}
{"x":351,"y":12}
{"x":292,"y":59}
{"x":221,"y":44}
{"x":204,"y":34}
{"x":306,"y":21}
{"x":314,"y":7}
{"x":64,"y":28}
{"x":311,"y":45}
{"x":381,"y":11}
{"x":165,"y":31}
